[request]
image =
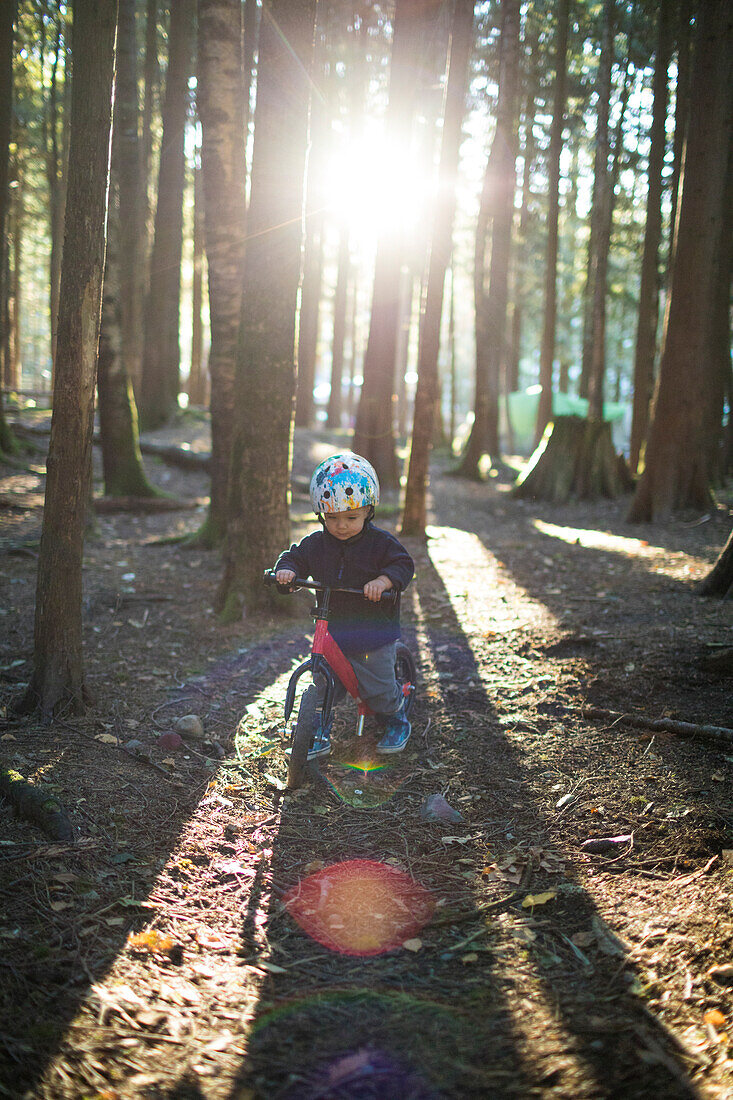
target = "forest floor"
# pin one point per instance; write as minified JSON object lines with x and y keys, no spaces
{"x":209,"y":936}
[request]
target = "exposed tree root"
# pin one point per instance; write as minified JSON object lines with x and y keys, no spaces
{"x":35,"y":806}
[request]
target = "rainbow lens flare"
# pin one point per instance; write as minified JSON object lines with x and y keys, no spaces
{"x":360,"y":907}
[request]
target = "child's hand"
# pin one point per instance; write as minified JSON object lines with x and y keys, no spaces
{"x":285,"y":576}
{"x":373,"y":589}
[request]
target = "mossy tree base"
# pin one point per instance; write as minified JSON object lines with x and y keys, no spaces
{"x":574,"y":460}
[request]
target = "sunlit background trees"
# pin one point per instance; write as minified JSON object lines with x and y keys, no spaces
{"x":590,"y":153}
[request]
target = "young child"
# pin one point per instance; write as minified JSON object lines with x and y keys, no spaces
{"x":351,"y":552}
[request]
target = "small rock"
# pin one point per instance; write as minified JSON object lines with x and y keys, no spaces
{"x":134,"y":746}
{"x":191,"y":727}
{"x":435,"y":808}
{"x":169,"y":741}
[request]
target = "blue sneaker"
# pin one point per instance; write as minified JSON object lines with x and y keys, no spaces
{"x":321,"y":742}
{"x":396,"y":733}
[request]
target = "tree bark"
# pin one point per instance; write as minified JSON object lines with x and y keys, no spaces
{"x":497,"y":206}
{"x":126,"y":164}
{"x":7,"y":19}
{"x":221,"y":96}
{"x":161,"y":352}
{"x":685,"y":428}
{"x":648,"y":319}
{"x":374,"y":435}
{"x":197,"y":376}
{"x":549,"y":323}
{"x":594,"y":331}
{"x":258,"y":521}
{"x":427,"y":395}
{"x":57,"y":679}
{"x":343,"y":270}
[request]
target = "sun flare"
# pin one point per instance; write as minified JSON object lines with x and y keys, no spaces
{"x":374,"y":189}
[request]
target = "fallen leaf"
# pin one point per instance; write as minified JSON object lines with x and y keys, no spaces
{"x":59,"y":906}
{"x":471,"y":958}
{"x":275,"y":782}
{"x":455,"y":839}
{"x":719,"y":777}
{"x":412,"y":945}
{"x":106,"y":738}
{"x":538,"y":899}
{"x":715,"y":1017}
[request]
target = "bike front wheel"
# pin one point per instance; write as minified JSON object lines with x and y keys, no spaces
{"x":305,"y":726}
{"x":405,"y":671}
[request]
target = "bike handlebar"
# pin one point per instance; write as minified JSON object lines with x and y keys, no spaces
{"x":269,"y":579}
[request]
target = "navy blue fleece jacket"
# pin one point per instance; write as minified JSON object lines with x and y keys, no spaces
{"x":357,"y":624}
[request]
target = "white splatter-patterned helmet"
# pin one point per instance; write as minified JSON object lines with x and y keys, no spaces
{"x":344,"y":481}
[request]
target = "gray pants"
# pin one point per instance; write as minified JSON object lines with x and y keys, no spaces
{"x":376,"y":678}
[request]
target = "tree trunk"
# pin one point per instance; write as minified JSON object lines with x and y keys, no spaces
{"x":222,"y":158}
{"x":594,"y":331}
{"x":196,"y":377}
{"x":53,"y":121}
{"x":57,"y":678}
{"x":374,"y":432}
{"x":685,"y":13}
{"x":258,"y":520}
{"x":427,"y":395}
{"x":340,"y":297}
{"x":122,"y":465}
{"x":646,"y":332}
{"x":549,"y":323}
{"x":126,"y":163}
{"x":7,"y":18}
{"x":497,"y":205}
{"x":161,"y":352}
{"x":151,"y":83}
{"x":685,"y":427}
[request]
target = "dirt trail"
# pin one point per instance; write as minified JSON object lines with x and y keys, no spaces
{"x":491,"y":956}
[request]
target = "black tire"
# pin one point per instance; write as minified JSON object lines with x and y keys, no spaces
{"x":405,"y":671}
{"x":305,"y":726}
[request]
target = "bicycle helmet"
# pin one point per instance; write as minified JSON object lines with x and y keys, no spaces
{"x":344,"y":481}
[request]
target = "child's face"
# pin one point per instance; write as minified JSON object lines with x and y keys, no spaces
{"x":344,"y":525}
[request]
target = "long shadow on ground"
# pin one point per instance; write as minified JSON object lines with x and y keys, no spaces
{"x":496,"y":1001}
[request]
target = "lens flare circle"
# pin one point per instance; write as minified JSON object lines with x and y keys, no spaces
{"x":360,"y":907}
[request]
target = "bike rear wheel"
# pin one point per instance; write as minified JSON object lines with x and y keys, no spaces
{"x":305,"y":726}
{"x":406,"y":673}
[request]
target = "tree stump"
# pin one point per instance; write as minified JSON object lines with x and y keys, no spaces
{"x":574,"y":459}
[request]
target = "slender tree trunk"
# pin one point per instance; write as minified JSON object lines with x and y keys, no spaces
{"x":151,"y":85}
{"x":7,"y":18}
{"x":497,"y":205}
{"x":57,"y":679}
{"x":683,"y":433}
{"x":196,"y":380}
{"x":648,"y":319}
{"x":54,"y":176}
{"x":126,"y":162}
{"x":161,"y":352}
{"x":221,"y":108}
{"x":343,"y":265}
{"x":549,"y":324}
{"x":18,"y":211}
{"x":374,"y":432}
{"x":427,"y":395}
{"x":122,"y":464}
{"x":258,"y":521}
{"x":594,"y":332}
